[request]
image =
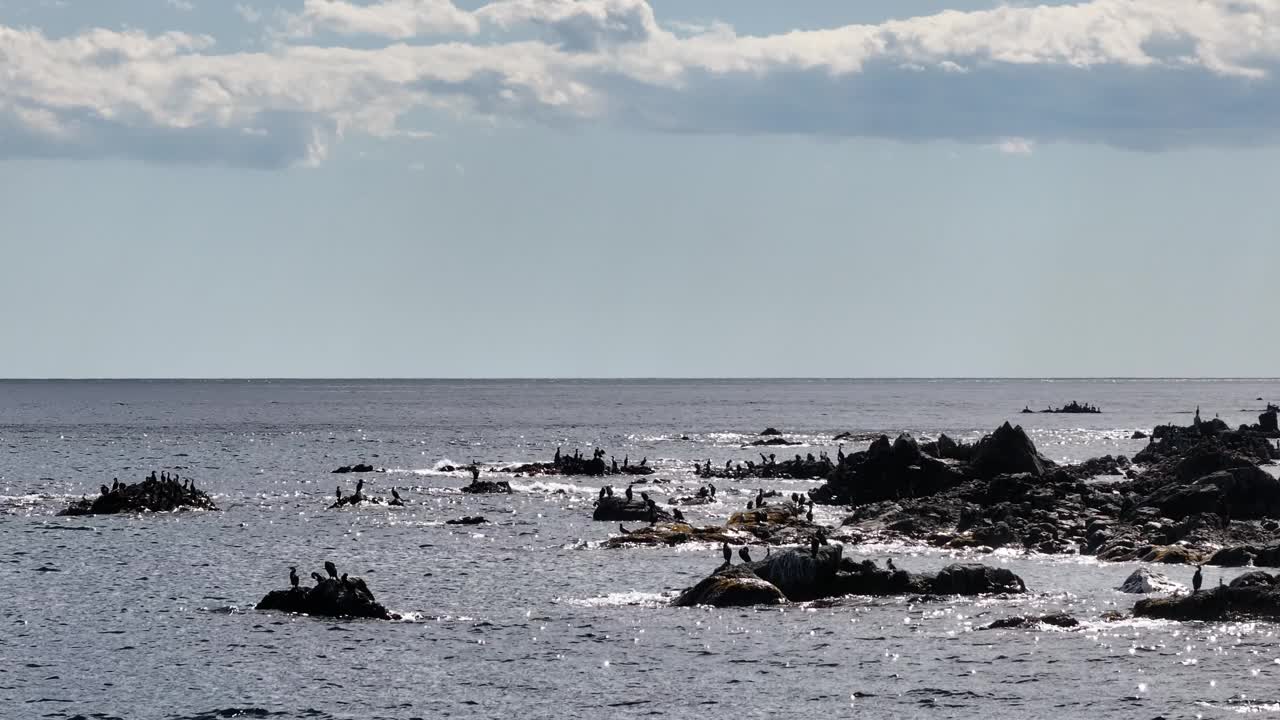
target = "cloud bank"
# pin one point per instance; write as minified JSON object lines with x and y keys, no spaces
{"x":1141,"y":74}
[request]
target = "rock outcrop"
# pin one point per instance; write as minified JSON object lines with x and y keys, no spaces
{"x":617,"y":508}
{"x":1254,"y":595}
{"x":357,"y":468}
{"x":731,"y":587}
{"x":487,"y":487}
{"x":154,"y":494}
{"x":330,"y":597}
{"x":578,"y":464}
{"x":803,"y":575}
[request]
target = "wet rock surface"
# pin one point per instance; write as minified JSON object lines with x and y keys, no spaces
{"x":1146,"y":580}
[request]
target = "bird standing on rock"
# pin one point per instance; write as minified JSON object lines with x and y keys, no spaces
{"x":813,"y":545}
{"x":293,"y":576}
{"x":338,"y":492}
{"x":744,"y":554}
{"x":628,"y":493}
{"x":395,"y":494}
{"x":728,"y":553}
{"x":809,"y":515}
{"x":359,"y":485}
{"x":1197,"y":580}
{"x":317,"y":577}
{"x":889,"y":564}
{"x":679,"y":516}
{"x":331,"y":569}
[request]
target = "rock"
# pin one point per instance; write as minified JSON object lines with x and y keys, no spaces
{"x":671,"y":534}
{"x":735,"y":586}
{"x":1145,"y":580}
{"x":358,"y":468}
{"x":616,"y":508}
{"x":886,"y":471}
{"x":488,"y":487}
{"x":1138,"y":435}
{"x":1267,"y":422}
{"x":799,"y":574}
{"x":1007,"y":450}
{"x":1171,"y":555}
{"x":578,"y":464}
{"x":771,"y":431}
{"x":1254,"y":595}
{"x":150,"y":495}
{"x":844,"y":436}
{"x":975,"y":579}
{"x":328,"y":598}
{"x":772,"y":441}
{"x":1062,"y":620}
{"x":1073,"y":407}
{"x":468,"y":520}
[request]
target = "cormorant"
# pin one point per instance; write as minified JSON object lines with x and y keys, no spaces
{"x":813,"y":545}
{"x":344,"y":579}
{"x":475,"y":472}
{"x":759,"y":498}
{"x":105,"y":490}
{"x":623,"y":530}
{"x":628,"y":493}
{"x":727,"y":552}
{"x":115,"y":483}
{"x":395,"y":494}
{"x":331,"y":569}
{"x":338,"y":490}
{"x":293,"y":576}
{"x":1198,"y":579}
{"x":359,"y":485}
{"x":742,"y":553}
{"x":809,"y":515}
{"x":645,"y":497}
{"x":679,"y":516}
{"x":889,"y":564}
{"x":712,"y":488}
{"x":602,"y":488}
{"x":609,"y":488}
{"x":317,"y":577}
{"x":751,"y":505}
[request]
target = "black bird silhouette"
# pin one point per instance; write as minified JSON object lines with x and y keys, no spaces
{"x":602,"y":490}
{"x":813,"y":545}
{"x":751,"y":505}
{"x":115,"y":483}
{"x":344,"y":579}
{"x":712,"y":488}
{"x":293,"y":576}
{"x":331,"y":569}
{"x":1197,"y":580}
{"x":759,"y":498}
{"x":742,"y":553}
{"x":359,"y":485}
{"x":105,"y":489}
{"x":628,"y":493}
{"x":645,"y":497}
{"x":395,"y":494}
{"x":338,"y":492}
{"x":623,"y":530}
{"x":317,"y":577}
{"x":809,"y":515}
{"x":675,"y":512}
{"x":728,"y":553}
{"x":475,"y":472}
{"x":889,"y":564}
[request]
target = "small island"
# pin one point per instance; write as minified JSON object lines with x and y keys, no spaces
{"x":163,"y":493}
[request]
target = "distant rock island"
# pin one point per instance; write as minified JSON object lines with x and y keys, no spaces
{"x":1071,"y":408}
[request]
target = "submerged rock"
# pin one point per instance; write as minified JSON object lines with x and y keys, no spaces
{"x":330,"y":597}
{"x":468,"y":520}
{"x":1061,"y":620}
{"x":487,"y":487}
{"x":1145,"y":580}
{"x":1254,"y":595}
{"x":164,"y":494}
{"x":357,"y":468}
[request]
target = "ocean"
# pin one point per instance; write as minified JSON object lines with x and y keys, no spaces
{"x":527,"y":616}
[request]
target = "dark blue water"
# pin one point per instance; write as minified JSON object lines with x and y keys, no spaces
{"x":151,"y":617}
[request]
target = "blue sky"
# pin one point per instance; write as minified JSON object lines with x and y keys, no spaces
{"x":419,"y":188}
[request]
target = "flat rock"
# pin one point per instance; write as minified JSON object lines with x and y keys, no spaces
{"x":1145,"y":580}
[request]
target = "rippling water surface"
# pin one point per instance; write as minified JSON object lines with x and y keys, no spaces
{"x":151,"y":617}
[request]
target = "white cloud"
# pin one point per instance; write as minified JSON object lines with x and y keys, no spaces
{"x":1147,"y":74}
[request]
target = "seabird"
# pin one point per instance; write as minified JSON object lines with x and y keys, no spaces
{"x":475,"y":472}
{"x":331,"y":569}
{"x":889,"y":564}
{"x":727,"y":552}
{"x":359,"y":485}
{"x":317,"y":577}
{"x":645,"y":497}
{"x":809,"y":515}
{"x":395,"y":494}
{"x":338,"y":490}
{"x":759,"y":498}
{"x":628,"y":493}
{"x":344,"y":579}
{"x":105,"y":490}
{"x":1198,"y":579}
{"x":675,"y":512}
{"x":742,"y":553}
{"x":293,"y":576}
{"x":115,"y":483}
{"x":623,"y":530}
{"x":359,"y":583}
{"x":813,"y":545}
{"x":751,"y":505}
{"x":602,"y":489}
{"x":712,"y":488}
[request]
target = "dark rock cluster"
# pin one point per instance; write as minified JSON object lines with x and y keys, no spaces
{"x":329,"y":597}
{"x":163,"y":493}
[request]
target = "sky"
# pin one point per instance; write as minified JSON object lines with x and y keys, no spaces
{"x":639,"y":188}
